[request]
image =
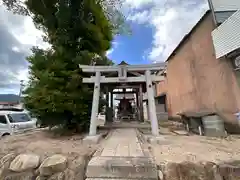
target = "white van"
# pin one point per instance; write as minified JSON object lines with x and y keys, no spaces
{"x":12,"y":122}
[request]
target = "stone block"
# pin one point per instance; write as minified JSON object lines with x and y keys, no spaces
{"x":6,"y":160}
{"x":77,"y":168}
{"x":57,"y":176}
{"x":190,"y":171}
{"x":109,"y":179}
{"x":41,"y":178}
{"x":92,"y":139}
{"x":24,"y":162}
{"x":53,"y":164}
{"x":122,"y":167}
{"x":156,"y":140}
{"x":19,"y":176}
{"x":71,"y":175}
{"x":230,"y":170}
{"x":5,"y":163}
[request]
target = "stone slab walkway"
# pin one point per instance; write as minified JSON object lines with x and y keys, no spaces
{"x":122,"y":157}
{"x":124,"y":143}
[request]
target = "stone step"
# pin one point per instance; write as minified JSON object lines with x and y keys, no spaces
{"x":110,"y":179}
{"x":163,"y":116}
{"x":122,"y":168}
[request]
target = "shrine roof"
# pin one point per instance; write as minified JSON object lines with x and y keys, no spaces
{"x":154,"y":68}
{"x":123,"y":63}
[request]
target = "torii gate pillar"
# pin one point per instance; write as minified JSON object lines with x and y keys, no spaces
{"x":151,"y":104}
{"x":95,"y":104}
{"x":122,"y":71}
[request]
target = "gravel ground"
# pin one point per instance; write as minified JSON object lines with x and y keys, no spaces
{"x":194,"y":148}
{"x":44,"y":143}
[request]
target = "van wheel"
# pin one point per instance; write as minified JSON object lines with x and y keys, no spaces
{"x":5,"y":135}
{"x":38,"y":125}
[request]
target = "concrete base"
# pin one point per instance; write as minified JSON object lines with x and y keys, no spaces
{"x":215,"y":133}
{"x":122,"y":168}
{"x":93,"y":139}
{"x":108,"y":179}
{"x":181,"y":132}
{"x":155,"y":139}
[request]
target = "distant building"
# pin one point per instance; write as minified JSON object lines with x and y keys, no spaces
{"x":10,"y":100}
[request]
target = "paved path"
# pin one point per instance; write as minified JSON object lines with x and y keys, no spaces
{"x":122,"y":157}
{"x":123,"y":142}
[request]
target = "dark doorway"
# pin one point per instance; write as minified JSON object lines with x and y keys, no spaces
{"x":161,"y":100}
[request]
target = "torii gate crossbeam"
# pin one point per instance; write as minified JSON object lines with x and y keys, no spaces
{"x":145,"y":76}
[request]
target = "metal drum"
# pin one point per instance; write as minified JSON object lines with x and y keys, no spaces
{"x":214,"y":126}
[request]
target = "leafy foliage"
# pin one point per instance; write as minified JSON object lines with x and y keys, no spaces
{"x":79,"y":33}
{"x":16,"y":6}
{"x":111,"y":9}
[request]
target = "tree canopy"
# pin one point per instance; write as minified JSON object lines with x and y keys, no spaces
{"x":111,"y":9}
{"x":79,"y":33}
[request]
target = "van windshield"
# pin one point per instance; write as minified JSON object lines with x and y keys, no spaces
{"x":18,"y":117}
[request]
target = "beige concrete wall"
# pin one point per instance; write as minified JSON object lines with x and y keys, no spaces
{"x":161,"y":87}
{"x":197,"y":80}
{"x":181,"y":91}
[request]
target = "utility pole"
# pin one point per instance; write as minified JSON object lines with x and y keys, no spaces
{"x":21,"y":89}
{"x":210,"y":3}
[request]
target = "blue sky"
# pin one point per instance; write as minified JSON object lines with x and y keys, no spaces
{"x":132,"y":48}
{"x":157,"y":27}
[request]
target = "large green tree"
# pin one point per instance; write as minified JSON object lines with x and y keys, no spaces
{"x":111,"y":9}
{"x":79,"y":33}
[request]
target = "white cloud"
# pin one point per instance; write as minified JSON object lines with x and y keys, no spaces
{"x":15,"y":49}
{"x":109,"y":52}
{"x":114,"y":46}
{"x":170,"y":19}
{"x":23,"y":75}
{"x":22,"y":28}
{"x":140,"y":17}
{"x":138,"y":3}
{"x":17,"y":34}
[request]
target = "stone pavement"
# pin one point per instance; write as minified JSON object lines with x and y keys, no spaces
{"x":124,"y":143}
{"x":122,"y":157}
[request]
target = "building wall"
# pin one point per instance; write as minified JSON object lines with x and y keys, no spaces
{"x":223,"y":9}
{"x":160,"y":109}
{"x":161,"y":87}
{"x":181,"y":93}
{"x":197,"y":80}
{"x":225,"y":5}
{"x":4,"y":105}
{"x":222,"y":16}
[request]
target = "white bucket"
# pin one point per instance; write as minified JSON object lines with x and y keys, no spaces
{"x":238,"y":117}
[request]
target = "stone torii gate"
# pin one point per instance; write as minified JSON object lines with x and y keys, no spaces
{"x":123,"y":73}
